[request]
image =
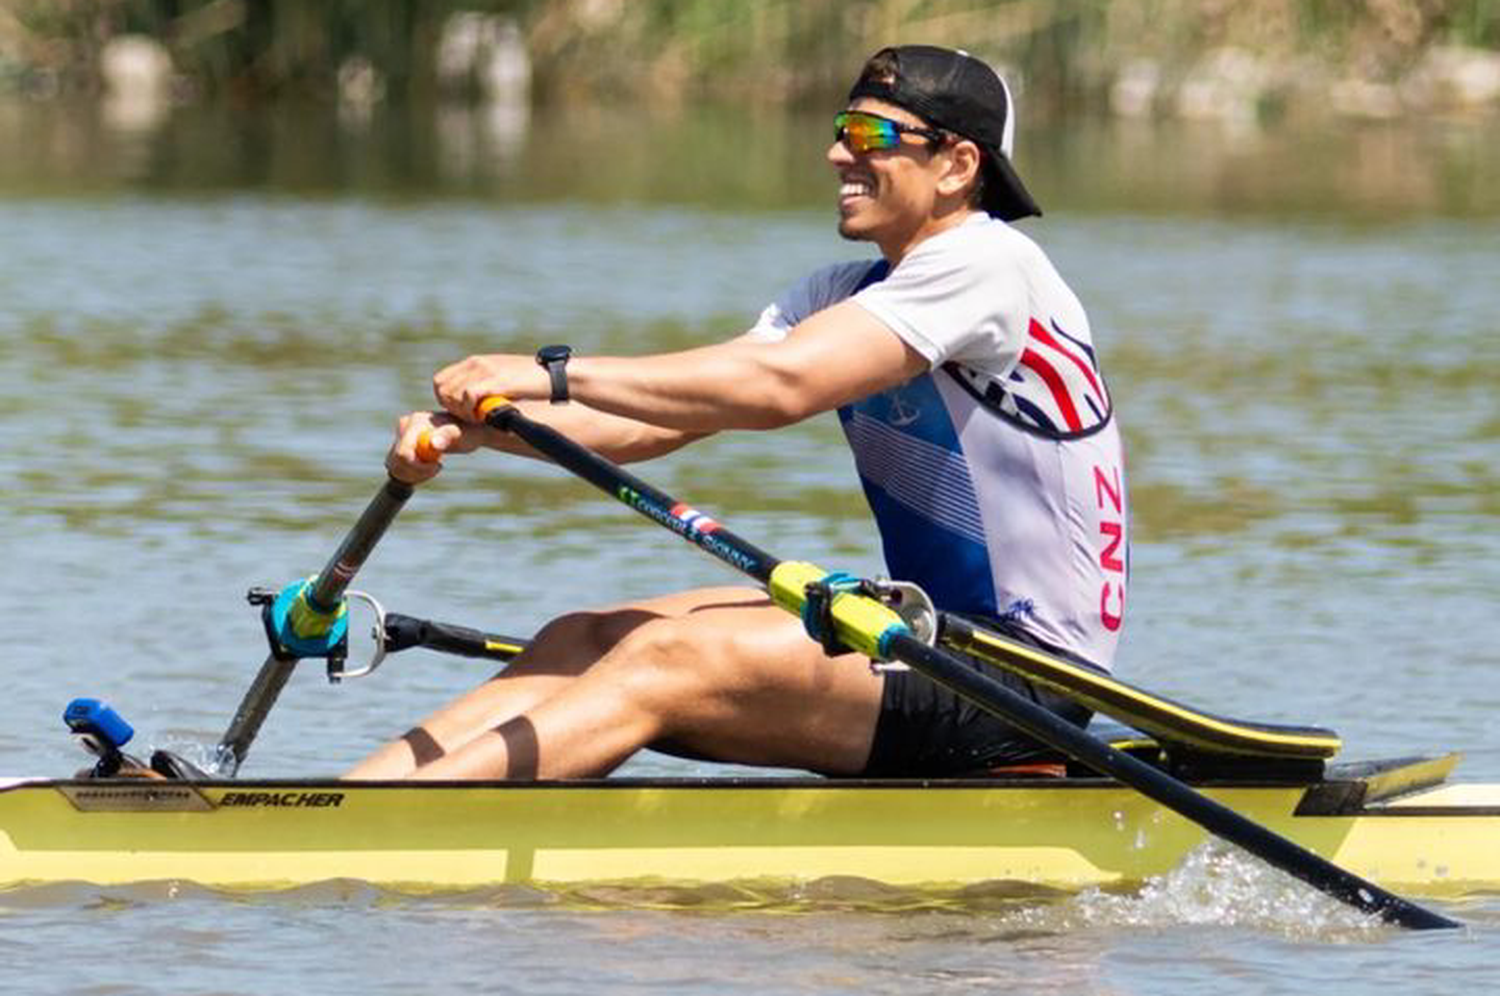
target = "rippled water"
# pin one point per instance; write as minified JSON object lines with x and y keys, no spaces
{"x":199,"y":377}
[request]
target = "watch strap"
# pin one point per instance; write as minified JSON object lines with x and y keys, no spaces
{"x":554,"y":359}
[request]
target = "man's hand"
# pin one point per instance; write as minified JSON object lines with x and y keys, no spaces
{"x":413,"y":460}
{"x":461,"y":386}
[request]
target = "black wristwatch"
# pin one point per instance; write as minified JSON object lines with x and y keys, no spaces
{"x":555,"y":360}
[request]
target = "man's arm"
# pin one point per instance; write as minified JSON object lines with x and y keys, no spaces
{"x":836,"y":356}
{"x":621,"y":440}
{"x":636,"y":408}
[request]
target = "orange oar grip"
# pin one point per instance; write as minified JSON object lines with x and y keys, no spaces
{"x":425,"y":451}
{"x":491,"y":404}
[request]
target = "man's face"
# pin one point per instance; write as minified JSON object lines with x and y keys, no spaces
{"x":886,"y":196}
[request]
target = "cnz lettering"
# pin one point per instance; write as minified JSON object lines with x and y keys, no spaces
{"x":1111,"y":504}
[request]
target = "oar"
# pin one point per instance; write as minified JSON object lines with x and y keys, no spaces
{"x":307,"y":619}
{"x":871,"y":628}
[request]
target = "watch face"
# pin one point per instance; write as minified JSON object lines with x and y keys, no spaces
{"x":551,"y":354}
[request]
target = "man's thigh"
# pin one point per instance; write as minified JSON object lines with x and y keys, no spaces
{"x":767,"y":693}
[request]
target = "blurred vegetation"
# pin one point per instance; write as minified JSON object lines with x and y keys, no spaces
{"x":1067,"y":52}
{"x":248,"y":49}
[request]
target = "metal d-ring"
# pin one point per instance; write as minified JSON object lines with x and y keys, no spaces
{"x":378,"y":655}
{"x":915,"y":608}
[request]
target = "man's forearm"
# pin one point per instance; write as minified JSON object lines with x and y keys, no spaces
{"x":837,"y":356}
{"x":620,"y":439}
{"x":731,"y":385}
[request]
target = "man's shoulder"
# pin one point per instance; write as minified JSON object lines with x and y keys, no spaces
{"x":982,"y":252}
{"x":986,"y":239}
{"x":836,"y":281}
{"x":823,"y":287}
{"x":846,"y":274}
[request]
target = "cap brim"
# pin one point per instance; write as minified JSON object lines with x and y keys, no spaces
{"x":1005,"y":196}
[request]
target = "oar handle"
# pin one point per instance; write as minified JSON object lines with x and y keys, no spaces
{"x":426,"y":452}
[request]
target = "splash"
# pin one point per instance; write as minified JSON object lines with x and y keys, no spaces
{"x":1216,"y":885}
{"x":199,"y":754}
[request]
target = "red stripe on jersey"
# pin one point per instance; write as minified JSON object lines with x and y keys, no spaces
{"x":1039,"y":332}
{"x":1031,"y":358}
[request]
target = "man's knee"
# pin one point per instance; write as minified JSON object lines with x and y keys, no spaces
{"x":667,"y":643}
{"x":690,"y":655}
{"x":595,"y":632}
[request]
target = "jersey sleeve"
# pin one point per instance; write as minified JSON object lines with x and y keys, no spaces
{"x":950,"y":302}
{"x":807,"y":297}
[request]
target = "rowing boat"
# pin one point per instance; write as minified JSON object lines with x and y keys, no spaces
{"x":1400,"y":823}
{"x":1122,"y":812}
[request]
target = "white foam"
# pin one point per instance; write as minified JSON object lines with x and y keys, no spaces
{"x":12,"y":782}
{"x":1216,"y":885}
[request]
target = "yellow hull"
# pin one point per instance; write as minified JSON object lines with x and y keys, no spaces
{"x":1065,"y":834}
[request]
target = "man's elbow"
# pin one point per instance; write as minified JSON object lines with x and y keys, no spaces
{"x":781,"y":401}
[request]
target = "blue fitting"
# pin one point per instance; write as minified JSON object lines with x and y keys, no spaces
{"x":891,"y":631}
{"x":300,"y":629}
{"x":817,"y":608}
{"x":92,"y":717}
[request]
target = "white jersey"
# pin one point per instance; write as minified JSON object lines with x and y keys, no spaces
{"x":997,"y":479}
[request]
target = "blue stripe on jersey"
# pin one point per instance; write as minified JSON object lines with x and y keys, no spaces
{"x":1093,"y":360}
{"x":1034,"y":413}
{"x":932,"y":479}
{"x":918,"y":486}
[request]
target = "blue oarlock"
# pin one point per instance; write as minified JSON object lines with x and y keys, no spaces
{"x":301,"y":629}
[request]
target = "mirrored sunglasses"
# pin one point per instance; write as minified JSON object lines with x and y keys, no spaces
{"x":863,"y":132}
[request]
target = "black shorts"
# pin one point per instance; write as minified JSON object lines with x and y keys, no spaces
{"x":927,"y":731}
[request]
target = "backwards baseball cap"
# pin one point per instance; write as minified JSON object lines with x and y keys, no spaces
{"x":956,"y":92}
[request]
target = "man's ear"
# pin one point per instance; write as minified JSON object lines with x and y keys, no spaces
{"x":964,"y":164}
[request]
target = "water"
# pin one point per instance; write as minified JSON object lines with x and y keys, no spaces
{"x":208,"y":330}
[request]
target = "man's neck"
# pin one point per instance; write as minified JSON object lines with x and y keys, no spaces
{"x":897,"y":249}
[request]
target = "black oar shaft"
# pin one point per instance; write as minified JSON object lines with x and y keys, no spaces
{"x":985,"y":692}
{"x":655,"y":505}
{"x":251,"y":714}
{"x":346,"y":561}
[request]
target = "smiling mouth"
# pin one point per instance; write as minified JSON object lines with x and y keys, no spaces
{"x":852,"y":189}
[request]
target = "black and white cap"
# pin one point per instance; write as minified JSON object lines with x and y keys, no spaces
{"x":954,"y":91}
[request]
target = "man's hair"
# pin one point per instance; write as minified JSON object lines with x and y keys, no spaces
{"x":880,"y":67}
